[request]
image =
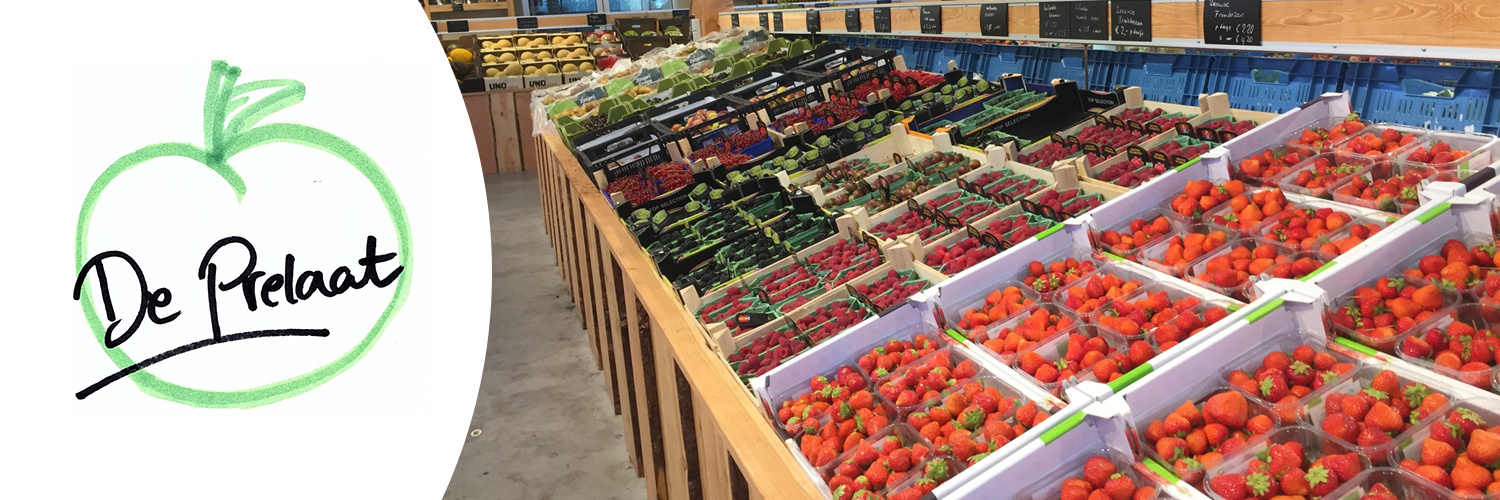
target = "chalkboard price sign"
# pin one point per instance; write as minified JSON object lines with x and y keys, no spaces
{"x":851,"y":20}
{"x":882,"y":19}
{"x":932,"y":19}
{"x":734,"y":20}
{"x":458,"y":26}
{"x":765,"y":21}
{"x":776,"y":22}
{"x":681,"y":14}
{"x":1090,"y":20}
{"x":994,"y":19}
{"x":526,"y":23}
{"x":1231,"y":22}
{"x":601,"y":19}
{"x":1130,"y":20}
{"x":814,"y":22}
{"x":1055,"y":20}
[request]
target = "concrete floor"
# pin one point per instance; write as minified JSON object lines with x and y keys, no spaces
{"x":549,"y":430}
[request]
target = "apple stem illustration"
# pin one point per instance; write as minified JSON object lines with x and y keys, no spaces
{"x":232,"y":125}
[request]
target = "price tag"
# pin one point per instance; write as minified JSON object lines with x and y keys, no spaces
{"x":776,"y":22}
{"x":765,"y":21}
{"x":526,"y":23}
{"x":1208,"y":134}
{"x":1185,"y":129}
{"x":989,"y":239}
{"x":1154,"y":128}
{"x":458,"y":7}
{"x":602,"y":19}
{"x":851,"y":20}
{"x":1090,"y":20}
{"x":974,"y":232}
{"x":1136,"y":152}
{"x":1159,"y":157}
{"x":994,"y":19}
{"x":1231,"y":22}
{"x":590,"y":95}
{"x":681,"y":14}
{"x":1109,"y":151}
{"x":734,"y":20}
{"x":882,"y":19}
{"x":814,"y":22}
{"x":1091,"y":148}
{"x":458,"y":26}
{"x":1058,"y":139}
{"x":1130,"y":20}
{"x":1226,"y":136}
{"x":1101,"y":120}
{"x":932,"y":19}
{"x":1055,"y":20}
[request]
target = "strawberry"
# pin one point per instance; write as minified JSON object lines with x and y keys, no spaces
{"x":1437,"y":453}
{"x":1228,"y":408}
{"x":1230,"y":487}
{"x":1120,"y":487}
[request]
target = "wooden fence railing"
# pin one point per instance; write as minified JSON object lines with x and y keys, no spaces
{"x":691,"y":429}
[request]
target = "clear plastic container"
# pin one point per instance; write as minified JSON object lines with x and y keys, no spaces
{"x":793,"y":428}
{"x":1056,"y":348}
{"x":1411,"y":448}
{"x":1279,"y":151}
{"x":1479,"y":147}
{"x":1348,"y":164}
{"x":1075,"y":296}
{"x":1335,"y":244}
{"x":1154,"y":254}
{"x":1470,"y":240}
{"x":1007,"y":391}
{"x":955,"y":357}
{"x":1049,"y":487}
{"x":1403,"y":483}
{"x":1365,"y":334}
{"x":1313,"y":412}
{"x":1377,"y":130}
{"x":1174,"y":294}
{"x":1315,"y":445}
{"x":1404,"y":202}
{"x":1270,"y":227}
{"x":1322,"y":124}
{"x":1197,"y":273}
{"x":1224,"y":210}
{"x":1054,"y":294}
{"x":955,"y":312}
{"x":1123,"y":229}
{"x":1284,"y":342}
{"x":1194,"y":475}
{"x":1479,"y":316}
{"x":895,"y":483}
{"x":909,"y":437}
{"x":999,"y":331}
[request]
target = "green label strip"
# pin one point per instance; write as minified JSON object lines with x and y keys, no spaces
{"x":1318,"y":271}
{"x":1434,"y":212}
{"x":1357,"y":346}
{"x":1130,"y":377}
{"x":1264,"y":310}
{"x":1048,"y":232}
{"x":1162,"y":470}
{"x":1190,"y":163}
{"x":1063,"y":428}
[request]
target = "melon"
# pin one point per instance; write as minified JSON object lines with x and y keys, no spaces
{"x":574,"y":39}
{"x":548,"y":69}
{"x":491,"y":59}
{"x":492,"y":72}
{"x":522,"y":41}
{"x":528,"y":56}
{"x":588,"y":66}
{"x":544,"y":55}
{"x":557,"y":40}
{"x":508,"y":57}
{"x":513,"y":70}
{"x":530,"y":70}
{"x":568,"y":68}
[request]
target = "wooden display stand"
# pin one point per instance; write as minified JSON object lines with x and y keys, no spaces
{"x":689,"y":422}
{"x":502,"y":129}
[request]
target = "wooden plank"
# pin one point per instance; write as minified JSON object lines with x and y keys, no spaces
{"x":1467,"y":24}
{"x":713,"y":457}
{"x":525,"y":129}
{"x":507,"y":149}
{"x":603,"y":285}
{"x":591,"y":281}
{"x":582,"y":300}
{"x":625,"y":381}
{"x":706,"y":11}
{"x":671,"y":420}
{"x":645,"y":361}
{"x":751,"y":439}
{"x":478,"y":106}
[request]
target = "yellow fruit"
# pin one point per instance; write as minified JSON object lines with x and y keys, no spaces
{"x":491,"y":59}
{"x":557,"y":40}
{"x":492,"y":72}
{"x":574,"y":39}
{"x":487,"y":44}
{"x":503,"y":43}
{"x":570,"y":68}
{"x":508,"y":57}
{"x":522,"y":41}
{"x":528,"y":56}
{"x":461,"y":55}
{"x":514,"y":69}
{"x":548,"y":69}
{"x":588,"y":66}
{"x":530,"y":70}
{"x":544,"y":55}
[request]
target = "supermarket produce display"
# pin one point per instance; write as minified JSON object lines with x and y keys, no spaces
{"x":947,"y":285}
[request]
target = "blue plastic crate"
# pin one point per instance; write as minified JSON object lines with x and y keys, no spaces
{"x":942,"y":53}
{"x":1049,"y":63}
{"x":1439,"y":97}
{"x":971,"y":57}
{"x":1005,"y":59}
{"x":1169,"y":78}
{"x":910,"y":50}
{"x":1273,"y":85}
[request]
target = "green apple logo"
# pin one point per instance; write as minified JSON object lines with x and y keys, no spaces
{"x":224,"y":137}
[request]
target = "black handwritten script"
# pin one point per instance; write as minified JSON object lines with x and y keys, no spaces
{"x":1130,"y":20}
{"x":285,"y":289}
{"x":1232,"y":22}
{"x":1055,"y":20}
{"x":1090,"y":20}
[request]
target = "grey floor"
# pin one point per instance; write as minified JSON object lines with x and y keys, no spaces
{"x":548,"y":430}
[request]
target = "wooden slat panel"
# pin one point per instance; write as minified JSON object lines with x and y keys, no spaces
{"x":678,"y":337}
{"x":644,"y":362}
{"x":586,"y":279}
{"x":713,"y":456}
{"x":503,"y":116}
{"x":628,"y":370}
{"x":671,"y":418}
{"x":599,"y":323}
{"x":478,"y":106}
{"x":525,"y":128}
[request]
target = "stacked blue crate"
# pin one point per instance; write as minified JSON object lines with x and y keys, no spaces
{"x":1005,"y":59}
{"x":1169,"y":78}
{"x":942,"y":52}
{"x":1273,"y":85}
{"x":909,"y":50}
{"x":1048,"y":63}
{"x":971,"y":57}
{"x":1438,"y":97}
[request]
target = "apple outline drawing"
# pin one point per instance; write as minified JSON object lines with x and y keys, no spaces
{"x":223,"y":141}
